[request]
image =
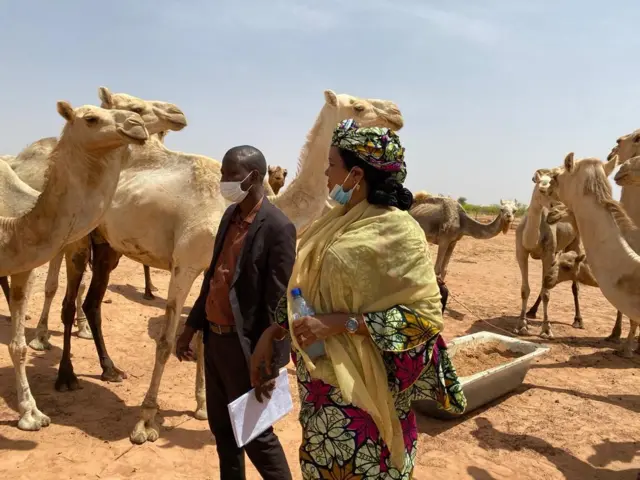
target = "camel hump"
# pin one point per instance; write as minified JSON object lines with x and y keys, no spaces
{"x":420,"y":198}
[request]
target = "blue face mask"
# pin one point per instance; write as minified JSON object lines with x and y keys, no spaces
{"x":339,"y":195}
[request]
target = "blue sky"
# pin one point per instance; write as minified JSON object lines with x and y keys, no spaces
{"x":490,"y":89}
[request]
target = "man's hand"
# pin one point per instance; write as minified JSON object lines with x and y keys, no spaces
{"x":183,"y":345}
{"x":264,"y":390}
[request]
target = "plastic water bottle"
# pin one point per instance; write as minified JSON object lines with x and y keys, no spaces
{"x":301,"y":308}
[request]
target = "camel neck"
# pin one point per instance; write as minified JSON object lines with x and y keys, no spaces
{"x":610,"y":256}
{"x":630,"y":200}
{"x":304,"y":199}
{"x":481,"y":231}
{"x":77,"y":191}
{"x":531,"y":232}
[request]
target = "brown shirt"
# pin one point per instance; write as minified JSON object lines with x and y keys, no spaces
{"x":218,"y":305}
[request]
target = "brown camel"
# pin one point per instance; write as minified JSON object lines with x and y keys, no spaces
{"x":445,"y":222}
{"x":277,"y":177}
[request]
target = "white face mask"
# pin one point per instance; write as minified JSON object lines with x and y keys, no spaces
{"x":232,"y":191}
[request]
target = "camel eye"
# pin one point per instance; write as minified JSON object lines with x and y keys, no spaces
{"x":91,"y":120}
{"x":358,"y":108}
{"x":137,"y":110}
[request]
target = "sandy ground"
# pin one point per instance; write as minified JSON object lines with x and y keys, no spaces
{"x":575,"y":417}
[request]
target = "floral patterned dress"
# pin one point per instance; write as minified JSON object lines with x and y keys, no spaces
{"x":341,"y":441}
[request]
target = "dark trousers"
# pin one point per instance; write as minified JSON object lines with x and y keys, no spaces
{"x":227,"y":378}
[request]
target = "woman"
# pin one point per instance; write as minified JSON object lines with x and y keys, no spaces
{"x":366,"y":269}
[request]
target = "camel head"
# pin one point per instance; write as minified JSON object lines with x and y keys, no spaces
{"x":508,"y":210}
{"x":366,"y":112}
{"x":157,"y":116}
{"x":627,"y":146}
{"x":576,"y":176}
{"x":629,"y":173}
{"x":570,"y":266}
{"x":277,"y":177}
{"x":560,"y":213}
{"x":96,"y":128}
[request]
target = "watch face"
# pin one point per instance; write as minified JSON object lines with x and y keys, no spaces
{"x":352,"y":325}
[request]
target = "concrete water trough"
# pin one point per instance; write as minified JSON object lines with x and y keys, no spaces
{"x":487,"y":385}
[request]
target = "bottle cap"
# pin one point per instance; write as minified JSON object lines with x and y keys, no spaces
{"x":296,"y":292}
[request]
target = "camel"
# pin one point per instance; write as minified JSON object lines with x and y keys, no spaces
{"x":628,"y":177}
{"x":79,"y":184}
{"x":165,"y":214}
{"x":604,"y":228}
{"x":159,"y":117}
{"x":277,"y":177}
{"x":540,"y":239}
{"x":445,"y":222}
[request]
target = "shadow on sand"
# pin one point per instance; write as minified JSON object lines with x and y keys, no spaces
{"x":95,"y":409}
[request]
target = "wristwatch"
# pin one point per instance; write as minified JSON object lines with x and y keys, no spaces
{"x":352,"y":325}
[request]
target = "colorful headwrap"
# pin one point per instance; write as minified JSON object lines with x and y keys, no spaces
{"x":380,"y":147}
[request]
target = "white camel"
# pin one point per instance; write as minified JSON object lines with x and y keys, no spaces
{"x":79,"y":184}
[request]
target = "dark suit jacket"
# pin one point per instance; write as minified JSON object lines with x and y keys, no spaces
{"x":261,"y":278}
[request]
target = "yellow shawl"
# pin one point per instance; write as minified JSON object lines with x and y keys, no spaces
{"x":368,"y":259}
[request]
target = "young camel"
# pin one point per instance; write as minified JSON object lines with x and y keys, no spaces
{"x":79,"y":185}
{"x":147,"y":224}
{"x":604,"y":227}
{"x":31,"y":162}
{"x":445,"y":222}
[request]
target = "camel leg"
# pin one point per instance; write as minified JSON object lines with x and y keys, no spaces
{"x":627,"y":349}
{"x":577,"y":321}
{"x":548,"y":282}
{"x":148,"y":286}
{"x":84,"y":331}
{"x":105,"y":259}
{"x":533,"y":311}
{"x":76,"y":261}
{"x":30,"y":417}
{"x":442,"y":253}
{"x":447,"y":257}
{"x":4,"y":283}
{"x":41,"y":340}
{"x":522,"y":328}
{"x":616,"y":333}
{"x":182,"y":277}
{"x":545,"y":332}
{"x":201,"y":399}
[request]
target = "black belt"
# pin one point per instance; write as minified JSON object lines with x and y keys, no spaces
{"x":221,"y":329}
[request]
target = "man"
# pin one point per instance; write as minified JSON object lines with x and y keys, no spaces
{"x":252,"y":261}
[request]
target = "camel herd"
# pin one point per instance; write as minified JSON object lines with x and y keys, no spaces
{"x":108,"y":186}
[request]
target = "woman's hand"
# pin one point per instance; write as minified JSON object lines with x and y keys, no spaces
{"x":311,"y":329}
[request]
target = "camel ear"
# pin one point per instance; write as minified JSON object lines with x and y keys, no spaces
{"x":65,"y":110}
{"x":284,"y":173}
{"x":271,"y":169}
{"x":331,"y":98}
{"x":568,"y":162}
{"x":502,"y":202}
{"x":105,"y":95}
{"x":610,"y":166}
{"x":580,"y":258}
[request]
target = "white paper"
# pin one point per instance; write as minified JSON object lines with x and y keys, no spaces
{"x":250,"y":418}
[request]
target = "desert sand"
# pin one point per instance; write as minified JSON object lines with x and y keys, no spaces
{"x":575,"y":417}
